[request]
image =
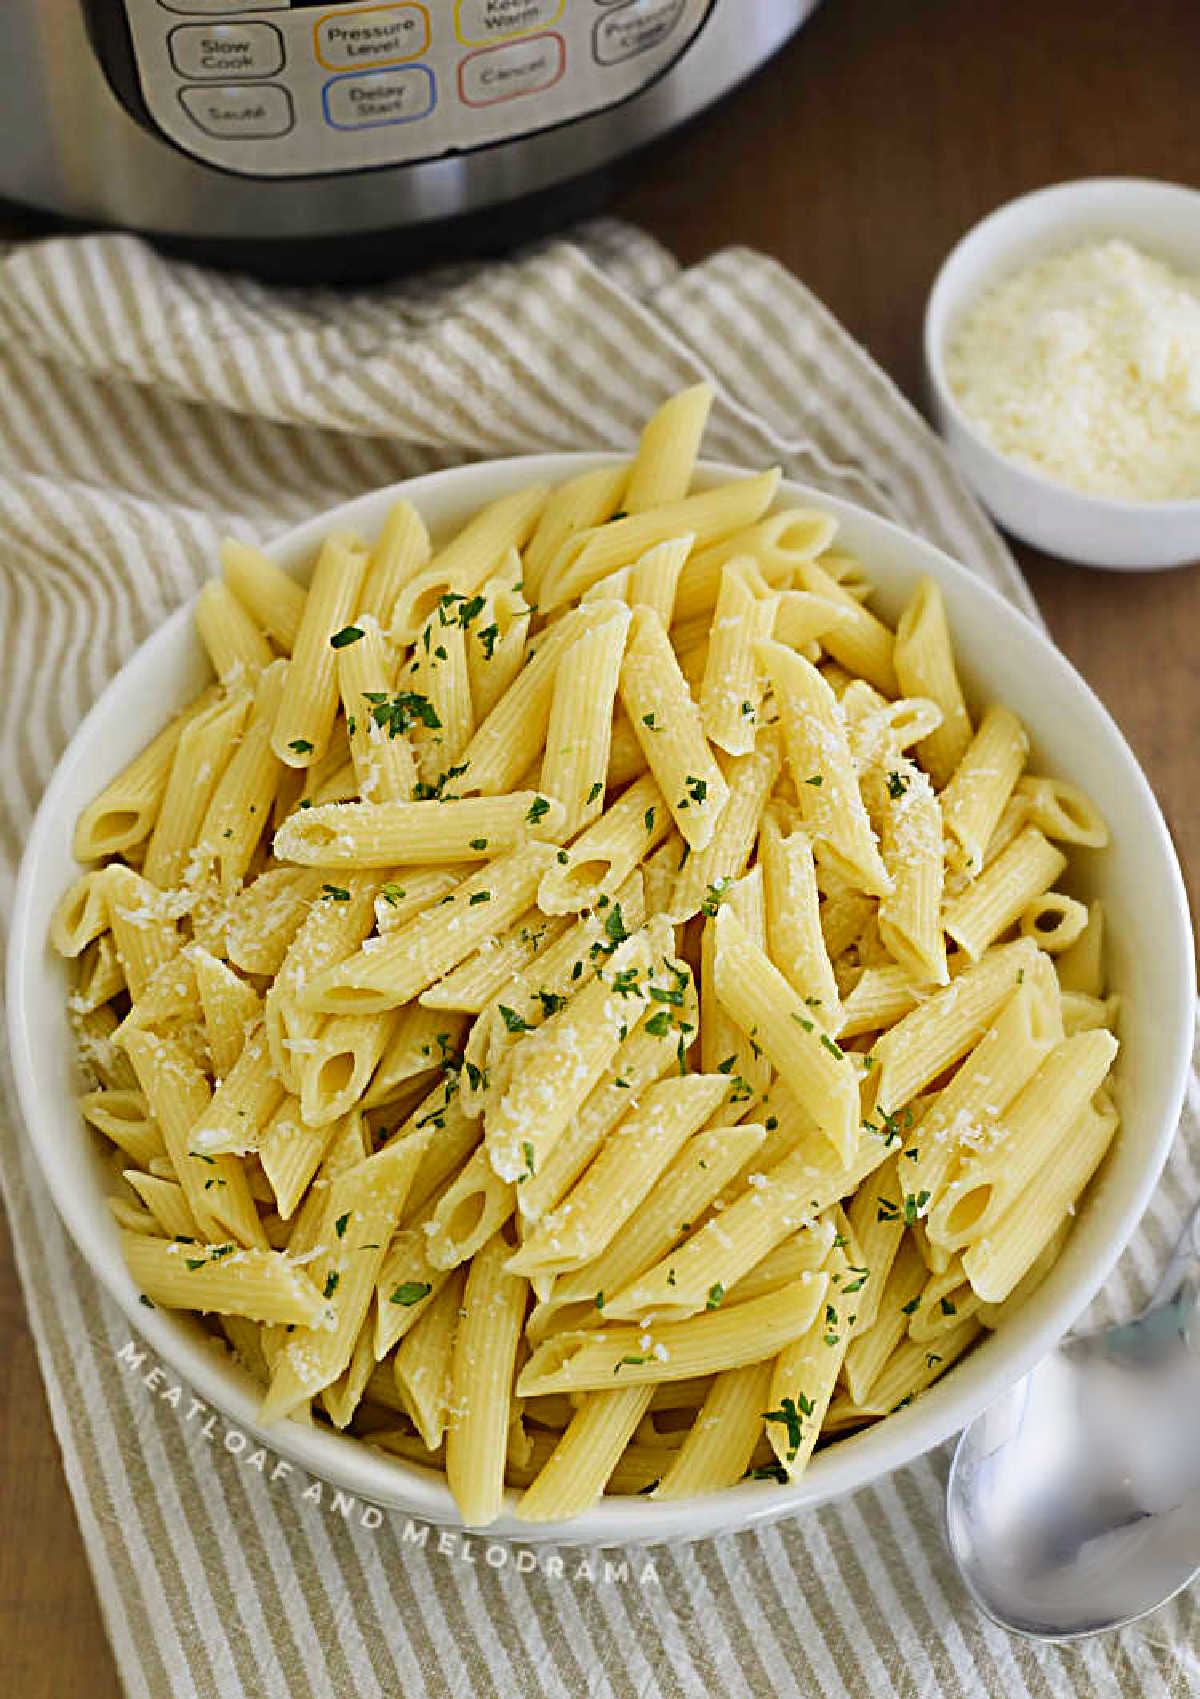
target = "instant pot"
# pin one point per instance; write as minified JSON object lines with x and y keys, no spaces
{"x":297,"y":121}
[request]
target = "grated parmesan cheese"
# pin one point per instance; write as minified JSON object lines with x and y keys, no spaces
{"x":1086,"y":368}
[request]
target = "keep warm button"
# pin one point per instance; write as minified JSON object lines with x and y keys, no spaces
{"x":226,"y":50}
{"x":505,"y":73}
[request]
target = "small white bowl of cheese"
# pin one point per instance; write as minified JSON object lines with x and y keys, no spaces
{"x":1062,"y":355}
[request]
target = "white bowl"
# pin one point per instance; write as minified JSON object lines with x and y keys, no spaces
{"x":1163,"y":219}
{"x":1002,"y":656}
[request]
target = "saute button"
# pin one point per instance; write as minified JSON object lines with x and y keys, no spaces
{"x":374,"y":35}
{"x":635,"y":29}
{"x":250,"y":114}
{"x":504,"y":73}
{"x":379,"y":97}
{"x":226,"y":50}
{"x":215,"y":7}
{"x":477,"y":21}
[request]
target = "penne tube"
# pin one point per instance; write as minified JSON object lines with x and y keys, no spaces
{"x":1081,"y":966}
{"x":857,"y":639}
{"x":474,"y":983}
{"x":910,"y":914}
{"x":579,"y":1467}
{"x":384,"y":766}
{"x":272,"y":597}
{"x":497,"y":638}
{"x":724,"y":1048}
{"x":309,"y":705}
{"x":345,"y":1054}
{"x":939,"y":1031}
{"x":236,"y":646}
{"x":240,"y":806}
{"x":331,"y":929}
{"x":982,"y":783}
{"x":166,"y":1203}
{"x":667,"y":724}
{"x":777,"y":545}
{"x":144,"y":931}
{"x":291,"y":1152}
{"x":405,"y":1288}
{"x":924,"y":664}
{"x":822,"y":769}
{"x":795,"y":942}
{"x":224,"y":1279}
{"x":812,"y":1065}
{"x":485,"y":1353}
{"x":579,"y":733}
{"x":787,"y":1196}
{"x":392,"y":970}
{"x":124,"y":1118}
{"x":869,"y":1351}
{"x":1003,"y":892}
{"x":631,"y":1160}
{"x":674,"y":1350}
{"x":201,"y":756}
{"x":732,"y":689}
{"x":654,"y":577}
{"x":440,"y":683}
{"x":81,"y":915}
{"x":1063,"y":811}
{"x":241,"y":1106}
{"x":1032,"y":1127}
{"x":421,"y":834}
{"x":876,"y":1218}
{"x":424,"y":1361}
{"x":719,"y":1446}
{"x":1054,"y":921}
{"x":946,"y":1301}
{"x":666,"y":456}
{"x":101,"y":976}
{"x":473,"y":1208}
{"x":705,"y":873}
{"x":606,"y":852}
{"x":912,"y":1367}
{"x":230,"y":1006}
{"x":804,"y":1376}
{"x":261,"y":920}
{"x":124,"y":813}
{"x":401,"y":550}
{"x":708,"y":517}
{"x":576,"y":506}
{"x":468,"y":559}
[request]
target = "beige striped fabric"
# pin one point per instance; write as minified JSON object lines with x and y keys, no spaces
{"x":146,"y":407}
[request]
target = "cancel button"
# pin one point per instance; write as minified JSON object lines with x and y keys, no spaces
{"x":503,"y":73}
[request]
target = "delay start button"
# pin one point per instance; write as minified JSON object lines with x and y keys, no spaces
{"x":506,"y":73}
{"x":226,"y":50}
{"x":379,"y":97}
{"x":371,"y":35}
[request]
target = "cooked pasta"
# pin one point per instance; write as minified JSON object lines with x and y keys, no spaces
{"x":581,"y":1004}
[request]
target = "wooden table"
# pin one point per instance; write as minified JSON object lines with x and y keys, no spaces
{"x":857,"y":158}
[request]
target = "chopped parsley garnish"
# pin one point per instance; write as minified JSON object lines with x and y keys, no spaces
{"x":551,"y":1001}
{"x":947,"y":1308}
{"x":911,"y":1308}
{"x":345,"y":637}
{"x":479,"y":843}
{"x":659,"y":1024}
{"x":696,"y":789}
{"x":337,"y":893}
{"x":897,"y":784}
{"x":648,"y":720}
{"x":769,"y":1472}
{"x":648,"y":819}
{"x":527,"y":1153}
{"x":789,"y":1415}
{"x":339,"y":1225}
{"x":715,"y":1294}
{"x":488,"y":637}
{"x":392,"y":893}
{"x":301,"y":745}
{"x":479,"y":897}
{"x":397,"y":713}
{"x":803,"y":1021}
{"x":148,"y":1302}
{"x":833,"y":1047}
{"x":863,"y":1274}
{"x":410,"y":1292}
{"x":633,"y":1361}
{"x":596,"y":790}
{"x":331,"y":1283}
{"x":887,"y":1211}
{"x":715,"y":895}
{"x":747,"y":710}
{"x":538,"y":810}
{"x":817,"y":780}
{"x":598,"y":1300}
{"x":512,"y":1020}
{"x":913,"y":1207}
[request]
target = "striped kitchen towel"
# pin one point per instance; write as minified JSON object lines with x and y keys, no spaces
{"x":145,"y":408}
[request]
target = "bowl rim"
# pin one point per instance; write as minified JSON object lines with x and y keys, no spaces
{"x":392,"y":1482}
{"x":940,"y":305}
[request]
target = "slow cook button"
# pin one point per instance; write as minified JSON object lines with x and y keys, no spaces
{"x":375,"y":35}
{"x":379,"y":97}
{"x":226,"y":50}
{"x":239,"y":114}
{"x":504,"y":73}
{"x":635,"y":29}
{"x":479,"y":21}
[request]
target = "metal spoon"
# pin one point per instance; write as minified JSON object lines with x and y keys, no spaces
{"x":1073,"y":1503}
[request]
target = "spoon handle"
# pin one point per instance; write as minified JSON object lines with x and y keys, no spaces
{"x":1180,"y":1283}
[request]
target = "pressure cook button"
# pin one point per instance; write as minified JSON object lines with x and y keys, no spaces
{"x":379,"y":97}
{"x":480,"y":21}
{"x":239,"y":113}
{"x":505,"y":73}
{"x":636,"y":28}
{"x":375,"y":35}
{"x":226,"y":50}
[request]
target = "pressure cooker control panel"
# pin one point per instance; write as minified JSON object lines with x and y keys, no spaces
{"x":290,"y":88}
